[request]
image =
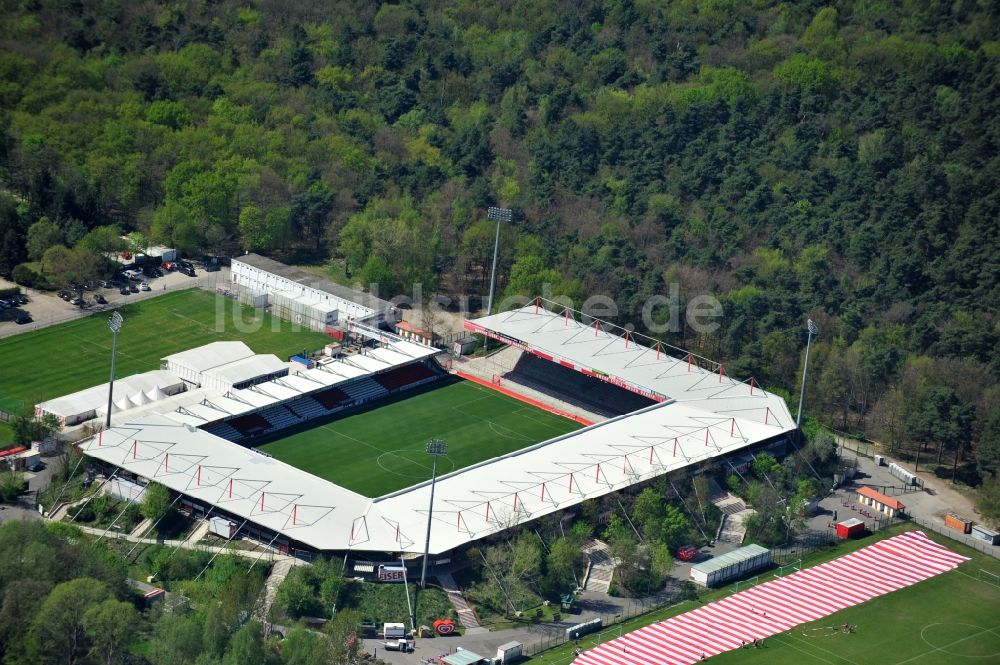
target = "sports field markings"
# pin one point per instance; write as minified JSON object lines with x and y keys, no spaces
{"x":513,"y":436}
{"x":789,"y":643}
{"x":944,"y":648}
{"x":348,"y":436}
{"x":396,"y":453}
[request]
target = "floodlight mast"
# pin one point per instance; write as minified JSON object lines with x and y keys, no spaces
{"x":115,"y":324}
{"x":812,"y":331}
{"x":435,"y":447}
{"x":500,"y":215}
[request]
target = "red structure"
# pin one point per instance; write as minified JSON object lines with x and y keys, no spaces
{"x":852,"y":528}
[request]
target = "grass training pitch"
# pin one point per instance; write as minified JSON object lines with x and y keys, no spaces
{"x":382,"y":450}
{"x":948,"y":619}
{"x":64,"y":358}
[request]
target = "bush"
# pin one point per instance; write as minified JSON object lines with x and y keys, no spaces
{"x":24,"y":274}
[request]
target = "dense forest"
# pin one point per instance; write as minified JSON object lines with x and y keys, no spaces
{"x":831,"y":160}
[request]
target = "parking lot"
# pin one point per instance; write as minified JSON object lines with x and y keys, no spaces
{"x":46,"y":308}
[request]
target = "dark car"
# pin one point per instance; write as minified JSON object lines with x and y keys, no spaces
{"x":100,"y":300}
{"x":65,"y":295}
{"x":35,"y":466}
{"x":124,"y":291}
{"x":22,"y":319}
{"x":187,"y":270}
{"x":77,"y":301}
{"x":20,"y":299}
{"x":133,"y":287}
{"x":211,"y":267}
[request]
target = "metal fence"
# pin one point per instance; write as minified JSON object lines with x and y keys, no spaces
{"x":965,"y":539}
{"x":612,"y":623}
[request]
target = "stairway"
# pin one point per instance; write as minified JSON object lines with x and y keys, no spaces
{"x":602,"y":566}
{"x":734,"y":511}
{"x":278,"y":573}
{"x":466,"y":615}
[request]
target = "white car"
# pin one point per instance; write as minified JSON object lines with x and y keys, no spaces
{"x":144,"y":286}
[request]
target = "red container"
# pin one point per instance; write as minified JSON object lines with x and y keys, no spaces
{"x":851,"y":528}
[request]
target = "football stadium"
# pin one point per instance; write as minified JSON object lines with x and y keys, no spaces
{"x":324,"y":451}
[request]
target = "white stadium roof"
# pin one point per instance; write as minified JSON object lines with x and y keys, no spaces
{"x":469,"y":504}
{"x":150,"y":385}
{"x":703,"y":414}
{"x":649,"y":370}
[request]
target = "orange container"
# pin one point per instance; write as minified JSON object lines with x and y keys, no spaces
{"x":957,"y":523}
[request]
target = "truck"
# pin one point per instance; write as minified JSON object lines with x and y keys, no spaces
{"x":397,"y":645}
{"x":394,"y":631}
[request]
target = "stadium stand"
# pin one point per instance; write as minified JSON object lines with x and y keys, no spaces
{"x":280,"y":417}
{"x":365,"y":389}
{"x":224,"y":430}
{"x":405,"y":376}
{"x":576,"y":388}
{"x":250,"y":424}
{"x":331,"y":399}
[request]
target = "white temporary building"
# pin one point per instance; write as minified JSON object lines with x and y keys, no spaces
{"x":190,"y":364}
{"x":129,"y":392}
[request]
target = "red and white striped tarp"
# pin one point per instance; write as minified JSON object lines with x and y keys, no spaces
{"x":777,"y":606}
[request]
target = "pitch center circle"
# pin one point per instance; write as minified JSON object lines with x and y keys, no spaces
{"x":949,"y":644}
{"x":412,"y":464}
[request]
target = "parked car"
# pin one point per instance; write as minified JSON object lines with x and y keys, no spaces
{"x":144,"y":286}
{"x":124,"y":291}
{"x":5,"y":304}
{"x":76,"y":301}
{"x":22,"y":319}
{"x":168,"y":265}
{"x":20,"y":299}
{"x":687,"y":553}
{"x":133,"y":274}
{"x":100,"y":300}
{"x":187,"y":270}
{"x":133,"y":287}
{"x":35,"y":466}
{"x":65,"y":295}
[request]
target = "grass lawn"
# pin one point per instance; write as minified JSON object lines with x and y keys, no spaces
{"x":382,"y":450}
{"x":61,"y":359}
{"x":951,"y":618}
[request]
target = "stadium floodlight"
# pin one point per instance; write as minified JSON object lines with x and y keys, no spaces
{"x":115,"y":324}
{"x":435,"y":447}
{"x":500,"y":215}
{"x":812,"y":331}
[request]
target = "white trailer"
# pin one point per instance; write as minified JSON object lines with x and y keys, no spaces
{"x":731,"y":565}
{"x":510,"y":652}
{"x":222,"y":527}
{"x":394,"y":631}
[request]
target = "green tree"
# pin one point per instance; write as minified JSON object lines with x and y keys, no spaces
{"x":302,"y":646}
{"x":155,"y":500}
{"x":675,"y":527}
{"x":246,"y":647}
{"x":27,"y":427}
{"x":562,"y":563}
{"x":60,"y":627}
{"x":41,"y":235}
{"x":110,"y":626}
{"x":988,"y":447}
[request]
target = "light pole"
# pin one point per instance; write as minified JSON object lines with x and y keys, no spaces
{"x":813,"y":330}
{"x":115,"y":323}
{"x":435,"y":447}
{"x":500,"y":215}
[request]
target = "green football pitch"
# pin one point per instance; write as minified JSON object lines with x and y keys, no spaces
{"x":382,"y":450}
{"x":948,"y":619}
{"x":61,"y":359}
